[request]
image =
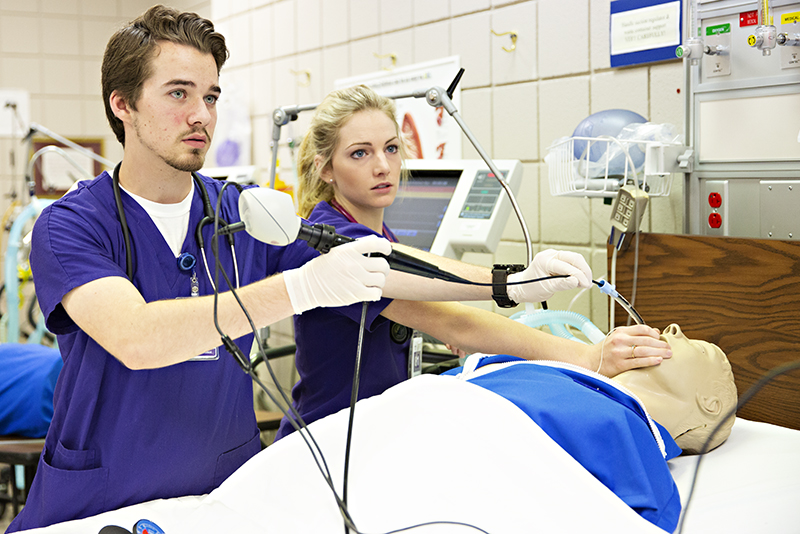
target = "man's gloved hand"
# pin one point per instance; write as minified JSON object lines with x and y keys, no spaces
{"x":340,"y":277}
{"x":548,"y":263}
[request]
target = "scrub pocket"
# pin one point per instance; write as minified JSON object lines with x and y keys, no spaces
{"x":230,"y":461}
{"x":71,"y":477}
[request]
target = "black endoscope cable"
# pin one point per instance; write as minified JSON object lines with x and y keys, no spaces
{"x":749,"y":394}
{"x":298,"y":424}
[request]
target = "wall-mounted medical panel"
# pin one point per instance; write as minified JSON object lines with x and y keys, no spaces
{"x":742,"y":108}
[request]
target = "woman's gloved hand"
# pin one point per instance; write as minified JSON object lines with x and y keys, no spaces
{"x":341,"y":277}
{"x":548,"y":263}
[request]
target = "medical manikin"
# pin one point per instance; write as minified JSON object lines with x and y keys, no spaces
{"x":624,"y":440}
{"x":688,"y":394}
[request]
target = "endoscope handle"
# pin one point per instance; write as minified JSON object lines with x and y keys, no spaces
{"x":323,"y":237}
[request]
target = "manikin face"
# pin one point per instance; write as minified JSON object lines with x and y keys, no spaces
{"x":176,"y":114}
{"x":678,"y":391}
{"x":365,"y":167}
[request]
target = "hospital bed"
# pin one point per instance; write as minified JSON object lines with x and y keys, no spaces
{"x":438,"y":449}
{"x":744,"y":296}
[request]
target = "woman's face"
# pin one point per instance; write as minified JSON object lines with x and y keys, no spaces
{"x":670,"y":390}
{"x":365,"y":167}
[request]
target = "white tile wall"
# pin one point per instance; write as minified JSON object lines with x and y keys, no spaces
{"x":476,"y":110}
{"x":19,"y":72}
{"x":335,"y":65}
{"x":283,"y":28}
{"x":239,"y":40}
{"x":460,"y":7}
{"x":14,"y":5}
{"x":20,"y":34}
{"x":262,"y":44}
{"x":471,"y":40}
{"x":396,"y":14}
{"x":363,"y":57}
{"x":309,"y":24}
{"x":515,"y":121}
{"x":63,"y":7}
{"x":90,"y":77}
{"x":399,"y":43}
{"x":63,"y":116}
{"x":621,"y":89}
{"x":95,"y":34}
{"x":364,"y":18}
{"x":262,"y":90}
{"x":528,"y":200}
{"x":563,"y":35}
{"x":98,"y":8}
{"x":130,"y":9}
{"x":335,"y":19}
{"x":285,"y":82}
{"x":430,"y":10}
{"x":563,"y":103}
{"x":521,"y":63}
{"x":432,"y":41}
{"x":599,"y":13}
{"x":95,"y":124}
{"x":60,"y":36}
{"x":309,"y":89}
{"x":601,"y":221}
{"x":62,"y":76}
{"x":667,"y":88}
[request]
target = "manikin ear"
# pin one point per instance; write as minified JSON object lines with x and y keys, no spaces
{"x":710,"y":405}
{"x":119,"y":106}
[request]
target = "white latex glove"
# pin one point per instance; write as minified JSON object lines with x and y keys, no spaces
{"x":548,"y":263}
{"x":341,"y":277}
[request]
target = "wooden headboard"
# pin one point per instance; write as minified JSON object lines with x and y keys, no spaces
{"x":741,"y":294}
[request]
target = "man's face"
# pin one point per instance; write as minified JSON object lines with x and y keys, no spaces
{"x":176,"y":113}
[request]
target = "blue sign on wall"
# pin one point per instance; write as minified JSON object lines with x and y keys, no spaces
{"x":644,"y":31}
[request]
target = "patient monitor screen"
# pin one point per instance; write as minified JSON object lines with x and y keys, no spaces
{"x":449,"y":207}
{"x":417,"y":213}
{"x":482,"y":196}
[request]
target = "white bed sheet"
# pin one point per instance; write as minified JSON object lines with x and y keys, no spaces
{"x":475,"y":458}
{"x":437,"y":448}
{"x":749,"y":484}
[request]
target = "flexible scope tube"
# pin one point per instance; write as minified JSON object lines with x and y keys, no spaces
{"x":611,"y":291}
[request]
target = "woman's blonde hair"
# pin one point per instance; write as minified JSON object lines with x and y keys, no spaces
{"x":323,"y":136}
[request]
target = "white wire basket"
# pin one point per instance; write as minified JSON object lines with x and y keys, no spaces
{"x":599,"y":166}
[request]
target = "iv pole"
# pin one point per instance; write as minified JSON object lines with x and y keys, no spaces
{"x":434,"y":96}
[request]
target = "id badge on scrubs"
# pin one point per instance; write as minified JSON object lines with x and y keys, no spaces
{"x":207,"y":356}
{"x":415,"y":355}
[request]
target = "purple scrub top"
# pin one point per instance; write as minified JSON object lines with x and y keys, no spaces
{"x":326,"y":340}
{"x":119,"y":436}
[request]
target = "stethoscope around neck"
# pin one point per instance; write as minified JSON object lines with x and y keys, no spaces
{"x":186,"y":261}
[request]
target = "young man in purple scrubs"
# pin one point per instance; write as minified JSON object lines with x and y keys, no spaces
{"x":148,"y":404}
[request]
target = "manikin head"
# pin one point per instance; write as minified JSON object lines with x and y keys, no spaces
{"x":688,"y":394}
